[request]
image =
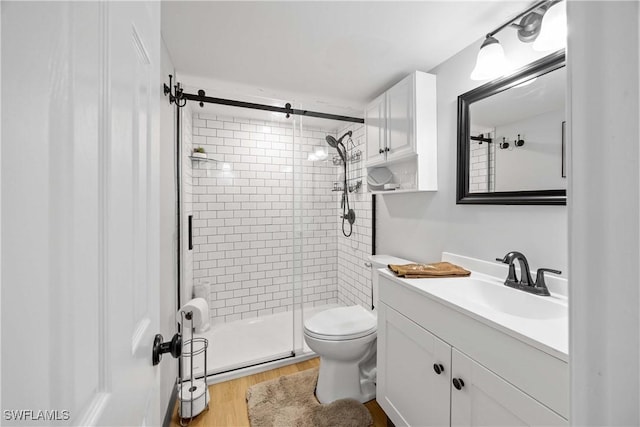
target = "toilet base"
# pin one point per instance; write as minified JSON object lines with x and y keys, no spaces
{"x":340,"y":380}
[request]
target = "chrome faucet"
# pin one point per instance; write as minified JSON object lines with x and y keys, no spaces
{"x":526,"y":283}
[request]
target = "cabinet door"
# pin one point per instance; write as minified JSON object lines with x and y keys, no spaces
{"x":409,"y":390}
{"x":374,"y":119}
{"x":400,"y":119}
{"x":486,"y":399}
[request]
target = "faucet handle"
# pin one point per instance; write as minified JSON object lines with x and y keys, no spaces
{"x":540,"y":283}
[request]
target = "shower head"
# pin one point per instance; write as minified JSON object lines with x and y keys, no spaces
{"x":337,"y":144}
{"x":332,"y":141}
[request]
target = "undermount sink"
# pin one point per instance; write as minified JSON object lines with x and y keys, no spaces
{"x":496,"y":296}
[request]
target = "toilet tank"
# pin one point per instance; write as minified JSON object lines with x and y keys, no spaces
{"x":381,"y":261}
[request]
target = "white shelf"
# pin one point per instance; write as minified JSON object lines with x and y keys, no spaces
{"x":203,"y":159}
{"x":409,"y":190}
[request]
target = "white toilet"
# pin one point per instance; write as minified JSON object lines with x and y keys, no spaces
{"x":345,"y":340}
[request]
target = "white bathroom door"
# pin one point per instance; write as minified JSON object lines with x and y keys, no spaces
{"x":80,"y":217}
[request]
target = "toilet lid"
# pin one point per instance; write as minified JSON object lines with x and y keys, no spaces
{"x":341,"y":323}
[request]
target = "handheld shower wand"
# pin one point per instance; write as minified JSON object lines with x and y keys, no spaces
{"x":348,"y":214}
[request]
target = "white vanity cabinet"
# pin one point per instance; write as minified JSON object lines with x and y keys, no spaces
{"x":485,"y":399}
{"x":427,"y":350}
{"x":401,"y":132}
{"x":408,"y":388}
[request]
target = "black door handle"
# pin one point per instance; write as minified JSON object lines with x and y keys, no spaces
{"x":458,"y":383}
{"x":438,"y":368}
{"x":159,"y":348}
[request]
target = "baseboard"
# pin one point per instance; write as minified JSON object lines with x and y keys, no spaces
{"x":172,"y":404}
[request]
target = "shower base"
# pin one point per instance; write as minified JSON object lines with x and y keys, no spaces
{"x":250,"y":345}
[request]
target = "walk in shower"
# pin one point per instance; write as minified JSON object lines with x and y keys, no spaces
{"x":261,"y":213}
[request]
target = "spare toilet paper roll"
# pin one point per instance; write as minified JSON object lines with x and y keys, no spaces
{"x":200,"y":310}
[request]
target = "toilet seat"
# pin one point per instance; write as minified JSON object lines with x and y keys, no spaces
{"x":341,"y":324}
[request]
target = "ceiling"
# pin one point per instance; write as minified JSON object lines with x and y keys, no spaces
{"x":328,"y":53}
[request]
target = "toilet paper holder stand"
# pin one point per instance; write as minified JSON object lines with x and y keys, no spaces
{"x":195,"y":346}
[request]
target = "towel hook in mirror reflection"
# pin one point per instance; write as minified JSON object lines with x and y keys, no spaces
{"x":518,"y":142}
{"x":504,"y":144}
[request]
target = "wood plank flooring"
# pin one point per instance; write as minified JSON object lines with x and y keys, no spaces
{"x":228,"y":407}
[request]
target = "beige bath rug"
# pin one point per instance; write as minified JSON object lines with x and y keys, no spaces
{"x":290,"y":401}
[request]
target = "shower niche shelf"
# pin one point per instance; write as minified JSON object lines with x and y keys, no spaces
{"x":401,"y":131}
{"x":203,"y":159}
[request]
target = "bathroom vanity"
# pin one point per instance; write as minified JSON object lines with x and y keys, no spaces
{"x":471,"y":351}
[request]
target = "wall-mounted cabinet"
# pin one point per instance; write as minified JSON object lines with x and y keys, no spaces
{"x":401,"y":133}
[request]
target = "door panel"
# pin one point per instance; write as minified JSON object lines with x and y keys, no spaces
{"x":80,"y":210}
{"x":400,"y":118}
{"x":486,"y":399}
{"x":408,"y":389}
{"x":375,"y":129}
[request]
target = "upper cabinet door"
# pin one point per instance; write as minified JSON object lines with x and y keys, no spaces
{"x":375,"y":128}
{"x":409,"y":388}
{"x":400,"y":119}
{"x":487,"y":400}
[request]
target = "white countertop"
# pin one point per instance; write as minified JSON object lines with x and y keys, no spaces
{"x":525,"y":317}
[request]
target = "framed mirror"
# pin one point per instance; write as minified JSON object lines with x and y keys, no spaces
{"x":511,"y":138}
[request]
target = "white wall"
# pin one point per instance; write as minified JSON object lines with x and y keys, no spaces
{"x":420,"y":226}
{"x":168,"y":235}
{"x":603,"y":212}
{"x":537,"y":165}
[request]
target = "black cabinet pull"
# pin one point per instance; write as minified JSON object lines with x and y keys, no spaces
{"x":387,"y":149}
{"x":438,"y":368}
{"x":458,"y":383}
{"x":381,"y":151}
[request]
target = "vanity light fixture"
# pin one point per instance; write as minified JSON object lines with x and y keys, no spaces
{"x":491,"y":62}
{"x":544,"y":23}
{"x":553,"y":34}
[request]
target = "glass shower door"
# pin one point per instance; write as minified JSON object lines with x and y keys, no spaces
{"x":243,"y":240}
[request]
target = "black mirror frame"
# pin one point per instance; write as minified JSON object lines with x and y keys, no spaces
{"x":538,"y":197}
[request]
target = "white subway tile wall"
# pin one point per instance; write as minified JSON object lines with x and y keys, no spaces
{"x":186,"y":119}
{"x":247,"y":208}
{"x":354,"y":277}
{"x":482,"y":163}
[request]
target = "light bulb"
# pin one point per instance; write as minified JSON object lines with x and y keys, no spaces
{"x":491,"y":62}
{"x":553,"y":32}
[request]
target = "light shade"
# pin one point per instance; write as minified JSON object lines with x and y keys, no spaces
{"x":491,"y":62}
{"x":553,"y":33}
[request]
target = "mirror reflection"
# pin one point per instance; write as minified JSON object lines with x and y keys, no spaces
{"x":516,"y":140}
